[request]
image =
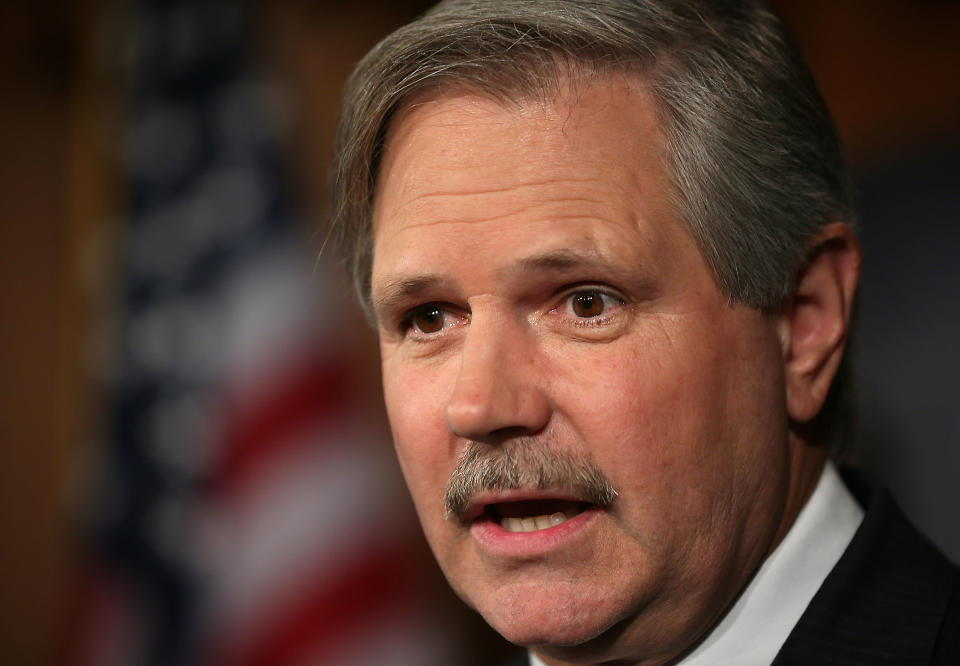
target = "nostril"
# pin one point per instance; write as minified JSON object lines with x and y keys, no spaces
{"x":514,"y":431}
{"x":490,"y":423}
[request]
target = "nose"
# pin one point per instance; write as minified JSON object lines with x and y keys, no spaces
{"x":499,"y":391}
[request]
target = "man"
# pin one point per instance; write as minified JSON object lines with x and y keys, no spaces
{"x":609,"y":253}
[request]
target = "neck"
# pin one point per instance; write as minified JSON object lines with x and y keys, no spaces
{"x":806,"y":464}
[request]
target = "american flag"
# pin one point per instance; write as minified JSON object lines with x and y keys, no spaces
{"x":244,"y":511}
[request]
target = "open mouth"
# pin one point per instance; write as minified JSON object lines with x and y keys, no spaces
{"x":533,"y":515}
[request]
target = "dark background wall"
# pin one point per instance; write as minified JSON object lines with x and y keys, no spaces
{"x":888,"y":69}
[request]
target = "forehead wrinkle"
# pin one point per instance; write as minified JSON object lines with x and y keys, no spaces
{"x":481,"y":220}
{"x":423,"y":214}
{"x":510,"y":188}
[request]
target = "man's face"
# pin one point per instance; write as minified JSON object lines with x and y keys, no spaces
{"x":535,"y":291}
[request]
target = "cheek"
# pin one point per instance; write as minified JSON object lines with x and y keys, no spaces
{"x":415,"y":408}
{"x":415,"y":398}
{"x":674,"y":410}
{"x":636,"y":396}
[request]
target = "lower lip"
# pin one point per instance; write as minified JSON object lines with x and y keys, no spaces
{"x":502,"y":542}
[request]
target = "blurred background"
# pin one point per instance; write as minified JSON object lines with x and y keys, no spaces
{"x":195,"y":466}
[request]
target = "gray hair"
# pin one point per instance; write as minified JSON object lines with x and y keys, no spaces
{"x":755,"y":162}
{"x":523,"y":463}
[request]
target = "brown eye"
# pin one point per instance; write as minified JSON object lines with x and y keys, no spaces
{"x":428,"y":319}
{"x":587,"y":304}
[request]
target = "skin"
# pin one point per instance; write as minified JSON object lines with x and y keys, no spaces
{"x":498,"y":220}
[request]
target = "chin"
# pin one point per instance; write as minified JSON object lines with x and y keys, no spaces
{"x":559,"y":615}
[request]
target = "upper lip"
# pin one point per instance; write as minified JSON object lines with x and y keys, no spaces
{"x":478,"y":505}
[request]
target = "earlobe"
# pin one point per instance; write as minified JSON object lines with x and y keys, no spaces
{"x":814,"y":323}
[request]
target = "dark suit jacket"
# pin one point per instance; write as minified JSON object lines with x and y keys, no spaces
{"x":893,"y":598}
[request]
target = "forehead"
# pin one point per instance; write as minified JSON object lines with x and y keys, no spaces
{"x":458,"y":167}
{"x":456,"y":134}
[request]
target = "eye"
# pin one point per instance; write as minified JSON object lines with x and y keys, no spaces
{"x":429,"y":319}
{"x":590,"y":303}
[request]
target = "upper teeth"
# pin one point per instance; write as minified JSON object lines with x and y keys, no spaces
{"x":533,"y":523}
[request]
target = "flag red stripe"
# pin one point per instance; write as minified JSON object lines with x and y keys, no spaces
{"x":326,"y":613}
{"x":308,"y":397}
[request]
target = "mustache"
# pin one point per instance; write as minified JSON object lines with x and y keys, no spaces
{"x":523,"y":463}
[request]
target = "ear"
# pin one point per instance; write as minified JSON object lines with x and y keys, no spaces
{"x":814,"y":323}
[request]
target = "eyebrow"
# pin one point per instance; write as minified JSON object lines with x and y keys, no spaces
{"x":558,"y":261}
{"x":397,"y":292}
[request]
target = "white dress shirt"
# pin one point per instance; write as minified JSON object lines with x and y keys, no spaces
{"x":757,"y":625}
